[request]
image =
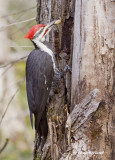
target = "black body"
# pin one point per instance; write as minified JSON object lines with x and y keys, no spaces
{"x":39,"y":77}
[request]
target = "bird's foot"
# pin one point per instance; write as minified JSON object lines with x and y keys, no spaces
{"x":66,"y":69}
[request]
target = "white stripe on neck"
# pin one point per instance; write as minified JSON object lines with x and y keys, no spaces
{"x":47,"y":50}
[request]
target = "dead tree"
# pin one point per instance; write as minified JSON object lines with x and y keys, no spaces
{"x":85,"y":40}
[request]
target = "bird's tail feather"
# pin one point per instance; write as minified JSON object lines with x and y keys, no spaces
{"x":42,"y":127}
{"x":37,"y":121}
{"x":31,"y":119}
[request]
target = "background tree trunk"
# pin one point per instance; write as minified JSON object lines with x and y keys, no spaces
{"x":87,"y":135}
{"x":7,"y":80}
{"x":12,"y":116}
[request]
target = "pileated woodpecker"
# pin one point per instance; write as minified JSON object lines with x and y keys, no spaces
{"x":41,"y":74}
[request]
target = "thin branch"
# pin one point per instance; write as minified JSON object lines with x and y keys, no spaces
{"x":20,"y":46}
{"x":4,"y":146}
{"x":31,"y":19}
{"x":17,"y":83}
{"x":13,"y":62}
{"x":24,"y":10}
{"x":18,"y":29}
{"x":6,"y":70}
{"x":11,"y":100}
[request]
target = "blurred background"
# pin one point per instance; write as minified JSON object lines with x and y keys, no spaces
{"x":16,"y":135}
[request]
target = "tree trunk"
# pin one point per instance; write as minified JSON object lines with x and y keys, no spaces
{"x":89,"y":132}
{"x":93,"y":66}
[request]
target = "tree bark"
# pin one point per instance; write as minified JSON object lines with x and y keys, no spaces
{"x":61,"y":39}
{"x":93,"y":66}
{"x":89,"y":132}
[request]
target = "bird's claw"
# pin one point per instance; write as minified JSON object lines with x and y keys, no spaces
{"x":67,"y":68}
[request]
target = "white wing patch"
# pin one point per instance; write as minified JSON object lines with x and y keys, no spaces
{"x":45,"y":79}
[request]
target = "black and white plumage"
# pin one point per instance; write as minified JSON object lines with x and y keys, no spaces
{"x":41,"y":72}
{"x":39,"y":77}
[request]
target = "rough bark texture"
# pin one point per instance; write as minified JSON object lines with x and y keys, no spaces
{"x":77,"y":124}
{"x":61,"y":39}
{"x":93,"y":66}
{"x":91,"y":136}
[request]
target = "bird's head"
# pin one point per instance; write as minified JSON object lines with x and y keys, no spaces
{"x":39,"y":31}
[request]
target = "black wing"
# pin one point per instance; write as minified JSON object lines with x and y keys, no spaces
{"x":39,"y":76}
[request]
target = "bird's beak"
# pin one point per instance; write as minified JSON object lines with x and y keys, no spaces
{"x":48,"y":28}
{"x":50,"y":25}
{"x":57,"y":21}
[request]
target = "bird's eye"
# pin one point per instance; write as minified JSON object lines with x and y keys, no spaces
{"x":38,"y":32}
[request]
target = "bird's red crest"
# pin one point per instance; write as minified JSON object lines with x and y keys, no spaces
{"x":33,"y":30}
